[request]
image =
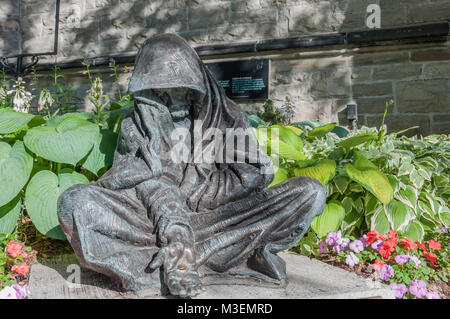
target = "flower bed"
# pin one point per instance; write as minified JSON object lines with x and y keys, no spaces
{"x":413,"y":269}
{"x":15,"y":263}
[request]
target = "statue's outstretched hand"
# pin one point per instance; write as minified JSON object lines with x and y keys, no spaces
{"x":180,"y":275}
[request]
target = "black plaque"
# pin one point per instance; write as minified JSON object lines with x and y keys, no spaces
{"x":243,"y":80}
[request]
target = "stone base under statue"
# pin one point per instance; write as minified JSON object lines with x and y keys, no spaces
{"x":307,"y":278}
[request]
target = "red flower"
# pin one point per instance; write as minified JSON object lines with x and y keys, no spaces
{"x":431,"y":257}
{"x":392,"y":234}
{"x":421,"y":246}
{"x":385,"y":251}
{"x":434,"y":245}
{"x":21,"y":269}
{"x":378,"y":264}
{"x":409,"y":243}
{"x":372,"y":236}
{"x":14,"y":249}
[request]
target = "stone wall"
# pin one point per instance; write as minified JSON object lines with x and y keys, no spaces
{"x":319,"y":81}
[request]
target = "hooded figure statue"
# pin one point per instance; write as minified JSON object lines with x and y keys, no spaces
{"x":188,"y":218}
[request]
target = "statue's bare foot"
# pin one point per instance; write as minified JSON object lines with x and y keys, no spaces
{"x":268,"y":263}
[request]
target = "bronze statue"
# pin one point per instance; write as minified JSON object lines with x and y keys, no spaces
{"x":151,"y":212}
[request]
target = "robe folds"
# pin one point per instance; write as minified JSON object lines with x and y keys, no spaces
{"x":117,"y":224}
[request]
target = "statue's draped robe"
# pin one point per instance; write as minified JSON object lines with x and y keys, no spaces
{"x":118,"y":223}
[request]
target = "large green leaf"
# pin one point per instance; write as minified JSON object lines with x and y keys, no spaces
{"x":357,"y":140}
{"x":15,"y":169}
{"x":414,"y":230}
{"x":323,"y":170}
{"x":41,"y":198}
{"x":68,"y":142}
{"x":280,"y":141}
{"x":367,"y":174}
{"x":321,"y":130}
{"x":11,"y":121}
{"x":330,"y":220}
{"x":379,"y":221}
{"x":280,"y":175}
{"x":9,"y":214}
{"x":397,"y":214}
{"x":54,"y":121}
{"x":102,"y":154}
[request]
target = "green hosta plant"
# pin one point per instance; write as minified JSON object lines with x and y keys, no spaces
{"x":374,"y":180}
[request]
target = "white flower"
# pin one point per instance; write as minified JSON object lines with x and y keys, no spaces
{"x":22,"y":98}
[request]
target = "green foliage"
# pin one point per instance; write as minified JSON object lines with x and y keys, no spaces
{"x":330,"y":220}
{"x":383,"y":181}
{"x":42,"y":155}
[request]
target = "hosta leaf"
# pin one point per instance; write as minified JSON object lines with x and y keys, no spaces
{"x":9,"y":214}
{"x":405,"y":169}
{"x":398,"y":214}
{"x":416,"y":179}
{"x":350,"y":220}
{"x":414,"y":230}
{"x":367,"y":174}
{"x":15,"y":169}
{"x":321,"y":130}
{"x":379,"y":221}
{"x":286,"y":151}
{"x":294,"y":129}
{"x":68,"y":142}
{"x":341,"y":182}
{"x":340,"y":131}
{"x":41,"y":198}
{"x":408,"y":196}
{"x":357,"y":140}
{"x":102,"y":154}
{"x":323,"y":170}
{"x":54,"y":121}
{"x":330,"y":220}
{"x":11,"y":121}
{"x":347,"y":202}
{"x":358,"y":204}
{"x":280,"y":175}
{"x":445,"y":218}
{"x":287,"y":136}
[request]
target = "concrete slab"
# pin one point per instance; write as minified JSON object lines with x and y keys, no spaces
{"x":307,"y":279}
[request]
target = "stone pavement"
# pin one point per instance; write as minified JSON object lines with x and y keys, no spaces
{"x":307,"y":278}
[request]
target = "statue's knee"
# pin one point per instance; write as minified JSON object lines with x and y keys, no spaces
{"x":310,"y":188}
{"x":70,"y":201}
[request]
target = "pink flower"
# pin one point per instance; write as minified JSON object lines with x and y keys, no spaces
{"x":418,"y":288}
{"x":357,"y":246}
{"x":434,"y":245}
{"x":14,"y":249}
{"x":21,"y":269}
{"x":400,"y":290}
{"x":21,"y":291}
{"x":351,"y":260}
{"x":386,"y":272}
{"x":401,"y":259}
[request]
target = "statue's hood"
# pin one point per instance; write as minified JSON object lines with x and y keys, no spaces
{"x":166,"y":61}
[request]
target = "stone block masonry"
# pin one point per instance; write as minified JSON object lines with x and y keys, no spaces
{"x":319,"y":81}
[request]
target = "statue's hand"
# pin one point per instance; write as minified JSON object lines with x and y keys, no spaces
{"x":180,"y":275}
